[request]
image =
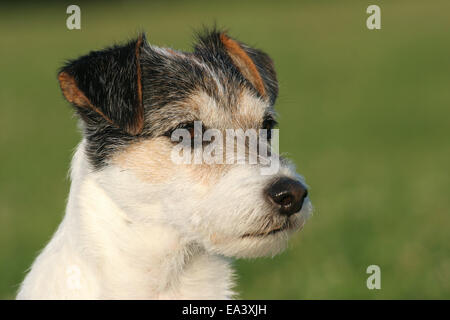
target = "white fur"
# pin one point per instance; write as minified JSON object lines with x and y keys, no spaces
{"x":124,"y":238}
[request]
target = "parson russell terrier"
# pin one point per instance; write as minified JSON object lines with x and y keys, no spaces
{"x":138,"y":225}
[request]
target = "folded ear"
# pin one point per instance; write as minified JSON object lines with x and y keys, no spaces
{"x":255,"y":65}
{"x":108,"y":82}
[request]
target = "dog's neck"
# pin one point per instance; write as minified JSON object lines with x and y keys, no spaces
{"x":100,"y":253}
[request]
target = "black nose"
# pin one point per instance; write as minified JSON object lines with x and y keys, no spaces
{"x":287,"y":194}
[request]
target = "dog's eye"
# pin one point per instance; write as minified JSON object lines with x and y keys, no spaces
{"x":189,"y":126}
{"x":268,"y":124}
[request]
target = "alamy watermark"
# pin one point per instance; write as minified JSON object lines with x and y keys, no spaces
{"x":211,"y":146}
{"x":374,"y":280}
{"x":373,"y":22}
{"x":74,"y":20}
{"x":73,"y":277}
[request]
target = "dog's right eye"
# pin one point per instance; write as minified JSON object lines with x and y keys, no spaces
{"x":189,"y":126}
{"x":193,"y":135}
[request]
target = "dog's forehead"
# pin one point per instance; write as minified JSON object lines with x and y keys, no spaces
{"x":182,"y":85}
{"x":247,"y":110}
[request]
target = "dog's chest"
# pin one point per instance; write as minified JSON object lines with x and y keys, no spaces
{"x":206,"y":277}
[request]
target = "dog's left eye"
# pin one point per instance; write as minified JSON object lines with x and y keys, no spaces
{"x":268,"y":124}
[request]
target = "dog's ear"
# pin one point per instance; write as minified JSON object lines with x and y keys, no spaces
{"x":255,"y":65}
{"x":107,"y":86}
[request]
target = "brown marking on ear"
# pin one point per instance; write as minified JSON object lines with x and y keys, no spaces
{"x":244,"y":63}
{"x":74,"y":95}
{"x":173,"y":52}
{"x":139,"y":123}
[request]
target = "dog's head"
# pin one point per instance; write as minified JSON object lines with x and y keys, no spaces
{"x":132,"y":98}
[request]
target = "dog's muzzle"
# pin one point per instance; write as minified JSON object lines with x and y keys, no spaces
{"x":287,"y":195}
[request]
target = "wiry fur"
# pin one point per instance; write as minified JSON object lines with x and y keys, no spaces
{"x":137,"y":225}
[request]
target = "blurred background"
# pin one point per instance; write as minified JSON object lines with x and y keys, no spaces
{"x":365,"y":115}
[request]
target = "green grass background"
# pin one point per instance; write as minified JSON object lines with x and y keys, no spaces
{"x":364,"y":114}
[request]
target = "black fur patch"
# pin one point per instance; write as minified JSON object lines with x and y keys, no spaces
{"x":109,"y":79}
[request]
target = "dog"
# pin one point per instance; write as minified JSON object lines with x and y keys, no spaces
{"x":137,"y":224}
